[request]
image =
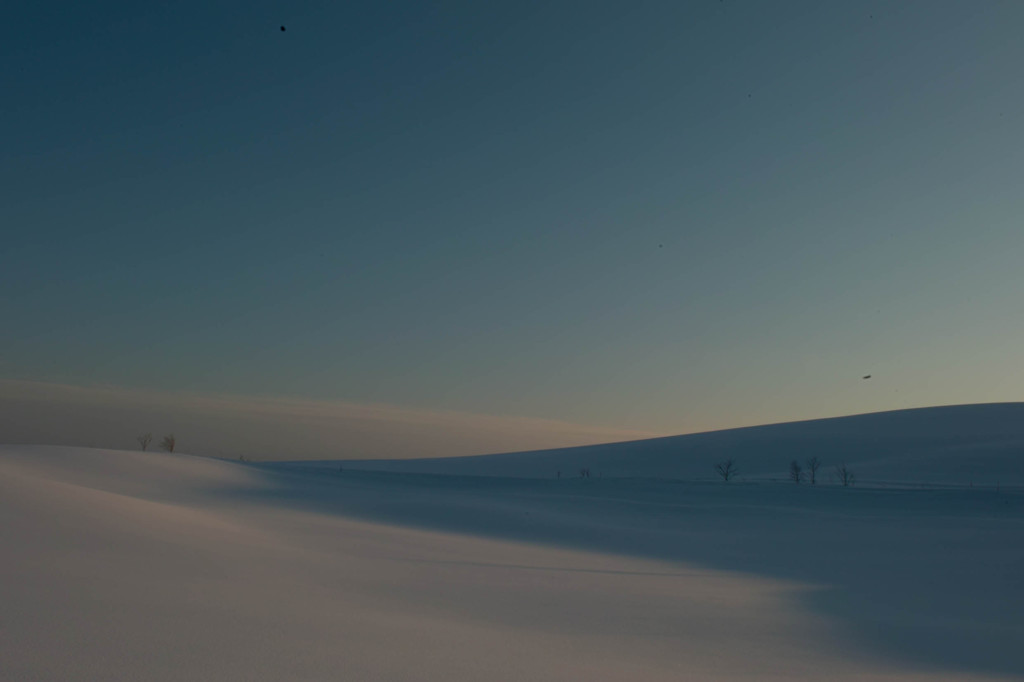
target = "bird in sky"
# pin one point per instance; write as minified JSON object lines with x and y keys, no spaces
{"x":866,"y":376}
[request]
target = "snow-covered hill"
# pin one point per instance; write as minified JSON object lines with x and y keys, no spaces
{"x":960,"y":445}
{"x":120,"y":565}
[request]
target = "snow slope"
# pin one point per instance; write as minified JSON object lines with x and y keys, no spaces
{"x":126,"y":565}
{"x":958,"y":445}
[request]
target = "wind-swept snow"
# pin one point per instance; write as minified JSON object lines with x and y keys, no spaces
{"x":128,"y":565}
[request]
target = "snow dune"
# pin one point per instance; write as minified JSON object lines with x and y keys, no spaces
{"x":128,"y":565}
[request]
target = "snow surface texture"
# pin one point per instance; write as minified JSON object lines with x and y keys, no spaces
{"x":127,"y":565}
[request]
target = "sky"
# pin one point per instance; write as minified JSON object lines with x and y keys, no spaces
{"x":618,"y":217}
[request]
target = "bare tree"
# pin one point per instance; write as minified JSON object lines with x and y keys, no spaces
{"x":813,"y":464}
{"x":168,"y":443}
{"x":144,"y":440}
{"x":796,"y":472}
{"x":727,"y":469}
{"x":845,"y":475}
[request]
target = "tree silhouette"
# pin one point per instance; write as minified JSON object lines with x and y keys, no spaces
{"x":795,"y":471}
{"x":144,"y":440}
{"x":727,"y":469}
{"x":813,"y":464}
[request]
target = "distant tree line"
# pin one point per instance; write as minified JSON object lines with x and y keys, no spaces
{"x":798,"y":473}
{"x":167,"y":444}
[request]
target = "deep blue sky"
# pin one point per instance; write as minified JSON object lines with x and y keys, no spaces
{"x":661,"y":216}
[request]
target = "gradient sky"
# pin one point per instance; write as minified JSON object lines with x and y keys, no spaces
{"x":653,"y":216}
